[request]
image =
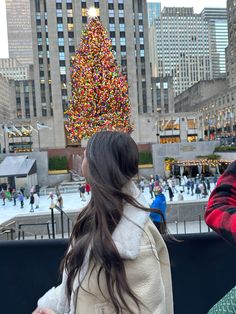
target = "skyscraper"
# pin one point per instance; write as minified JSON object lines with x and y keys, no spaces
{"x":231,"y":49}
{"x":181,"y":47}
{"x":154,"y":11}
{"x":19,"y":31}
{"x":56,"y":29}
{"x":218,"y":37}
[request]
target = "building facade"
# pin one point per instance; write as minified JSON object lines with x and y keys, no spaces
{"x":14,"y":70}
{"x":153,"y":11}
{"x":194,"y":96}
{"x":162,"y":94}
{"x":231,"y":49}
{"x":181,"y":47}
{"x":179,"y":127}
{"x":19,"y":31}
{"x":56,"y":29}
{"x":218,"y":37}
{"x":5,"y":109}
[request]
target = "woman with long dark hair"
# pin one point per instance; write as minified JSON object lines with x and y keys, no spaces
{"x":117,"y":261}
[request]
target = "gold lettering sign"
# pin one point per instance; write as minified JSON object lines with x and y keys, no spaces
{"x":187,"y":148}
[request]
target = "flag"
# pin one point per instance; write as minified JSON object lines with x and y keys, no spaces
{"x":32,"y":129}
{"x":16,"y":130}
{"x":24,"y":130}
{"x":176,"y":121}
{"x":8,"y":130}
{"x":42,"y":126}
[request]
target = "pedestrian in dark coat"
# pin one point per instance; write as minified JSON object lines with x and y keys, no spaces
{"x":171,"y":194}
{"x":31,"y":202}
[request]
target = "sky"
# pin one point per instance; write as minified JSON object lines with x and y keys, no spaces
{"x":197,"y":4}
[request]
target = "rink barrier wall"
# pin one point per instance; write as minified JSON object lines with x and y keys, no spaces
{"x":202,"y":272}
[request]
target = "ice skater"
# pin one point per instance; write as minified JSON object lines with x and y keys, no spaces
{"x":31,"y":202}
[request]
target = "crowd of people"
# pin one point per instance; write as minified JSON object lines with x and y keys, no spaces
{"x":12,"y":195}
{"x":199,"y":186}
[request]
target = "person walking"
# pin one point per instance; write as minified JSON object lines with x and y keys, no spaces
{"x":171,"y":194}
{"x":141,"y":185}
{"x":59,"y":201}
{"x":14,"y":196}
{"x":21,"y":199}
{"x":117,"y":261}
{"x":192,"y":186}
{"x":82,"y":192}
{"x":36,"y":199}
{"x":160,"y":203}
{"x":208,"y":184}
{"x":3,"y":195}
{"x":180,"y":196}
{"x":151,"y":186}
{"x":31,"y":202}
{"x":87,"y":188}
{"x":51,"y":197}
{"x":197,"y":191}
{"x":173,"y":184}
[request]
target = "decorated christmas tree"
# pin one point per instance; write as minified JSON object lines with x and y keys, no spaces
{"x":99,"y":90}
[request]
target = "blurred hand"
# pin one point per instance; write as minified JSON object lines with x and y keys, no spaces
{"x":43,"y":311}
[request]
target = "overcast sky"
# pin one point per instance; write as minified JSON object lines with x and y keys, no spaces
{"x":197,"y":4}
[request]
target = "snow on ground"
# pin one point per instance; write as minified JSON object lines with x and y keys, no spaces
{"x":72,"y":201}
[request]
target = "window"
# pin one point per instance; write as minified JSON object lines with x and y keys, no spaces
{"x":84,"y":19}
{"x":71,"y":48}
{"x":111,"y":20}
{"x":121,"y":20}
{"x":60,"y":27}
{"x":83,"y":5}
{"x":60,"y":34}
{"x":62,"y":63}
{"x":71,"y":34}
{"x":58,"y":5}
{"x":61,"y":56}
{"x":59,"y":20}
{"x":69,"y":5}
{"x":61,"y":41}
{"x":110,"y":6}
{"x":61,"y":48}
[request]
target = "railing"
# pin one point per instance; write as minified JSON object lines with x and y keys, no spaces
{"x":22,"y":232}
{"x":202,"y":268}
{"x":7,"y":232}
{"x":63,"y":217}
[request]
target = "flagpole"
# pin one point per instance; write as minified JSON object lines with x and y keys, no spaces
{"x":4,"y":137}
{"x":39,"y":139}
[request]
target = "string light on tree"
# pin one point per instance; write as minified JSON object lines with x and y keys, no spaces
{"x":99,"y":90}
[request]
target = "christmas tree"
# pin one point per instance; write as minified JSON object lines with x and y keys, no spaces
{"x":99,"y":90}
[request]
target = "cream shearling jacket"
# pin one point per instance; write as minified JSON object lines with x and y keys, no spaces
{"x":146,"y":263}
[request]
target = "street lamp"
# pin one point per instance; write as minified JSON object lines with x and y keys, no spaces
{"x":4,"y":137}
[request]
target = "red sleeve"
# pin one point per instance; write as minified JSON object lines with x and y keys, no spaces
{"x":220,"y":214}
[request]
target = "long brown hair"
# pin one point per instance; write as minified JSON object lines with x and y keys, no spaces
{"x":113,"y":161}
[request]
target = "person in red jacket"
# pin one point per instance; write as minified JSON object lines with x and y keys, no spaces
{"x":87,"y":188}
{"x":220,"y":213}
